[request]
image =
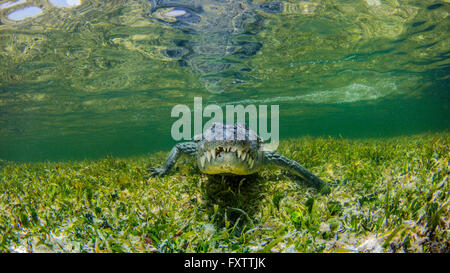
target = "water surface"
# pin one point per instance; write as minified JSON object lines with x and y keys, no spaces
{"x":85,"y":79}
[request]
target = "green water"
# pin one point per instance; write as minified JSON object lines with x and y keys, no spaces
{"x":92,"y":80}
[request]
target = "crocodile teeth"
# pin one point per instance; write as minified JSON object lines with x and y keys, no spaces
{"x":213,"y":153}
{"x":239,"y":152}
{"x":250,"y":162}
{"x":202,"y":160}
{"x":208,"y":156}
{"x":244,"y":155}
{"x":233,"y":149}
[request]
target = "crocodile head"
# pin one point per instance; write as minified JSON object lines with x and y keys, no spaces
{"x":230,"y":149}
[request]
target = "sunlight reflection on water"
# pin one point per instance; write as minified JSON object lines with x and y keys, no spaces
{"x":26,"y":12}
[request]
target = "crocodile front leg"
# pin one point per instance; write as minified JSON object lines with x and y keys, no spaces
{"x":293,"y":166}
{"x":187,"y":148}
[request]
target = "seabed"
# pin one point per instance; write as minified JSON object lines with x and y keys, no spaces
{"x":386,"y":195}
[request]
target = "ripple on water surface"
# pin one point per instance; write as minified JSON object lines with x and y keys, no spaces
{"x":65,"y":3}
{"x":32,"y":11}
{"x":10,"y":4}
{"x":26,"y":12}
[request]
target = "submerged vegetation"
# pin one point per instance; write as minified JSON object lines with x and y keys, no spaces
{"x":387,"y":195}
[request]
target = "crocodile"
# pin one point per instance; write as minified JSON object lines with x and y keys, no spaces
{"x":233,"y":149}
{"x":215,"y":36}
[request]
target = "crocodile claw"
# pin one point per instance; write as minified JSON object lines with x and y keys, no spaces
{"x":156,"y":171}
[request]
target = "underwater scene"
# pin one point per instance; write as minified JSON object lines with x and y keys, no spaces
{"x":247,"y":126}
